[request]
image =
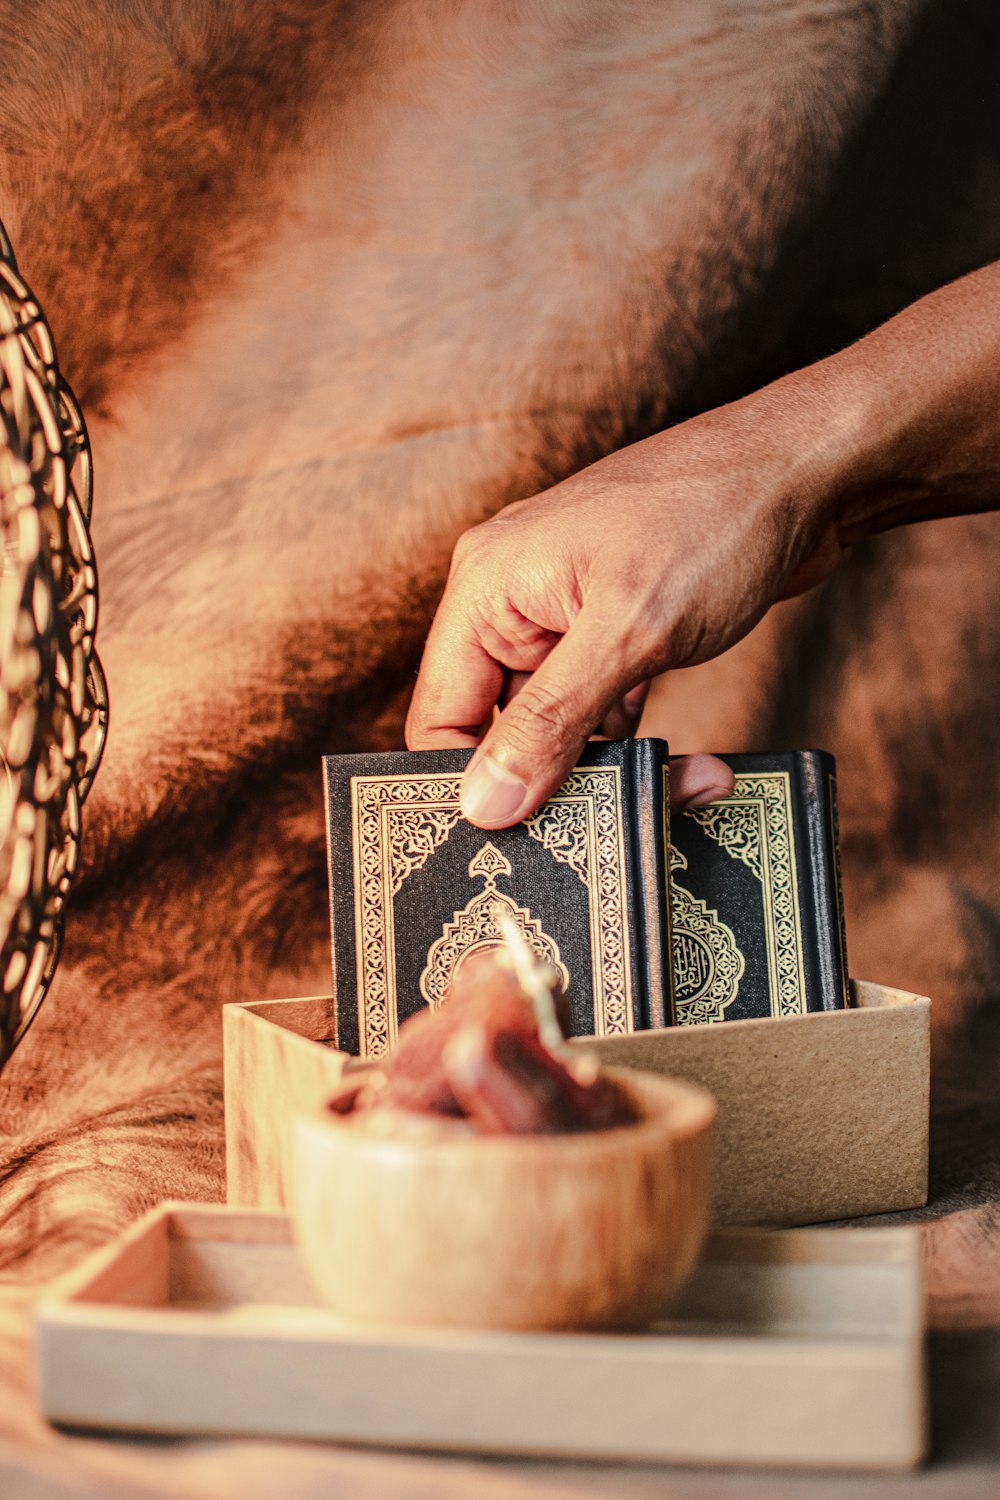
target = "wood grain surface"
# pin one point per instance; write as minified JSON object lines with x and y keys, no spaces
{"x":794,"y":1347}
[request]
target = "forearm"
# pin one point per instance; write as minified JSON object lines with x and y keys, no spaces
{"x":912,"y":413}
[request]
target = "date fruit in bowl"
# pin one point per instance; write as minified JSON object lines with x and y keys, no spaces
{"x":481,"y":1178}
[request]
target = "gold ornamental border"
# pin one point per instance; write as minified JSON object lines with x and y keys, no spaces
{"x":754,"y":825}
{"x":398,"y":821}
{"x":382,"y":862}
{"x":53,"y":701}
{"x":591,"y":796}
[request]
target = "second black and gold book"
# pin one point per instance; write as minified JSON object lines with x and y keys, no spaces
{"x":758,"y":927}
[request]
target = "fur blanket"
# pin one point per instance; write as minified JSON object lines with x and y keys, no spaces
{"x":332,"y":282}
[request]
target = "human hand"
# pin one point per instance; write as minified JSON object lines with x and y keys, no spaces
{"x":560,"y":609}
{"x":667,"y":553}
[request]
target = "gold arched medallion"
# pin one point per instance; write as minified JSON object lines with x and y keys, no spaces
{"x":476,"y":928}
{"x":708,"y":965}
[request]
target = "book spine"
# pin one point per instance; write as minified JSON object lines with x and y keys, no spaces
{"x":831,"y":785}
{"x":820,"y":892}
{"x":344,"y":1043}
{"x":651,"y":836}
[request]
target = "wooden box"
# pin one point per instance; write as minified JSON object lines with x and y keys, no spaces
{"x":821,"y":1116}
{"x":801,"y":1348}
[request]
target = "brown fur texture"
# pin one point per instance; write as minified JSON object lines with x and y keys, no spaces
{"x":333,"y":281}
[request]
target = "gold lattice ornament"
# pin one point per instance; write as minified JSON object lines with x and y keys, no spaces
{"x":53,"y":702}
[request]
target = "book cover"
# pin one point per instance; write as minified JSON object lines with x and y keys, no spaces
{"x":756,"y":905}
{"x":414,"y":887}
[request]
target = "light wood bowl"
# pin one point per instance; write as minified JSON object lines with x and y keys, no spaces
{"x":595,"y":1230}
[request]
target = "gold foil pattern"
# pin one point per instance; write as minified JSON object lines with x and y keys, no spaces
{"x":754,"y":826}
{"x":478,"y":926}
{"x":707,"y":962}
{"x":398,"y":821}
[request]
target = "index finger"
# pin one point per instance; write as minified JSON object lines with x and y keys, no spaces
{"x":458,"y":685}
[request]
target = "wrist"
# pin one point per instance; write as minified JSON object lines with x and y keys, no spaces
{"x":903,"y":423}
{"x":816,"y":422}
{"x":873,"y":478}
{"x":852,"y":430}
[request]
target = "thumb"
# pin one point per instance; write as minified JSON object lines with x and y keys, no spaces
{"x":536,"y":741}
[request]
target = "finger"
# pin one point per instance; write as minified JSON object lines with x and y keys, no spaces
{"x":458,"y":685}
{"x":622,"y":719}
{"x":697,"y":780}
{"x":513,"y":682}
{"x":619,"y":723}
{"x":536,"y":741}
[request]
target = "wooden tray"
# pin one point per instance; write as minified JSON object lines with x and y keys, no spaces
{"x":791,"y":1347}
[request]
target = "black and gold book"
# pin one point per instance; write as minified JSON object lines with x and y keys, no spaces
{"x":757,"y":916}
{"x":415,"y":888}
